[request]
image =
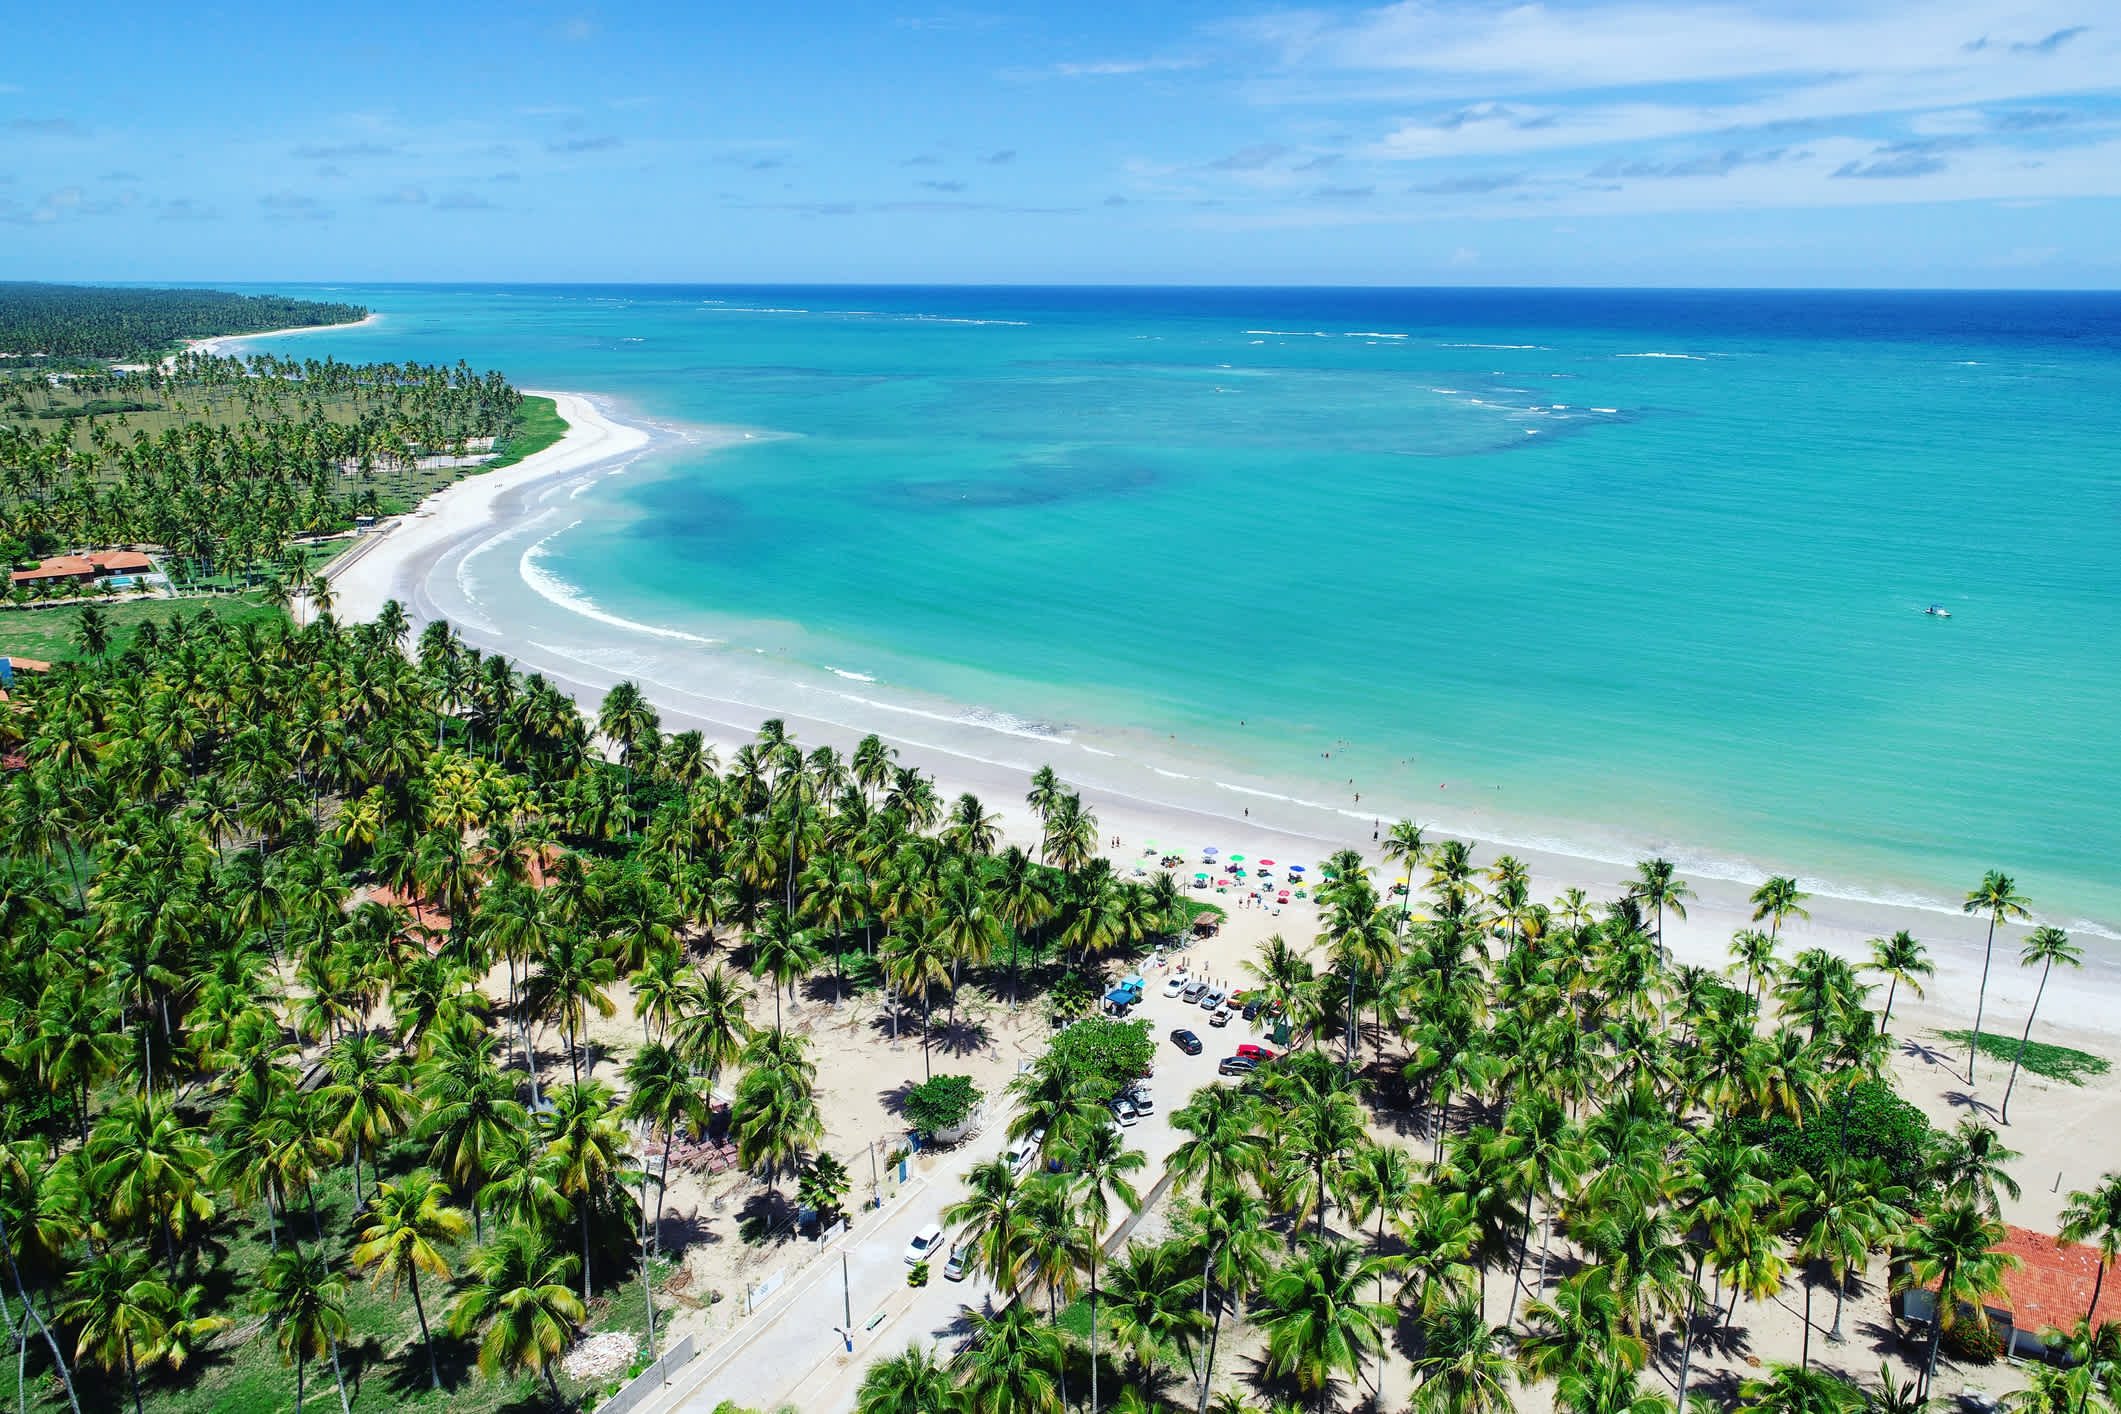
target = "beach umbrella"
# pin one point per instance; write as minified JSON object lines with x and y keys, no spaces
{"x":1296,"y":869}
{"x":1237,"y":859}
{"x":1266,"y":864}
{"x":1202,"y":878}
{"x":1209,"y":849}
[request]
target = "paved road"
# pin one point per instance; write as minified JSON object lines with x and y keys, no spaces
{"x":798,"y":1354}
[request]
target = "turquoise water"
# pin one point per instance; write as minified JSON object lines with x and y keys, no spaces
{"x":1611,"y":571}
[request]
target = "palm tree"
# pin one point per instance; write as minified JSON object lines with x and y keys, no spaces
{"x":123,"y":1309}
{"x":1903,"y":960}
{"x":304,"y":1303}
{"x":783,"y":954}
{"x":2094,"y":1215}
{"x":1969,"y":1163}
{"x":662,"y":1094}
{"x":1463,"y":1365}
{"x":711,"y":1030}
{"x":1997,"y":895}
{"x":1953,"y":1250}
{"x":519,"y":1296}
{"x":1317,"y":1319}
{"x":1229,"y":1225}
{"x":1608,"y":1388}
{"x":910,"y":1382}
{"x":1657,"y":884}
{"x":405,"y":1221}
{"x":917,"y":959}
{"x":369,"y":1099}
{"x":1793,"y":1389}
{"x":1753,"y":953}
{"x":1222,"y":1142}
{"x":1837,"y":1216}
{"x":1404,"y":846}
{"x":1151,"y":1295}
{"x":1776,"y":900}
{"x":988,"y":1217}
{"x":1009,"y":1363}
{"x":2047,"y":946}
{"x":586,"y":1148}
{"x":1100,"y":1161}
{"x":1057,"y":1247}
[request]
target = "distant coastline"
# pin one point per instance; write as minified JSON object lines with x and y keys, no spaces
{"x":218,"y":342}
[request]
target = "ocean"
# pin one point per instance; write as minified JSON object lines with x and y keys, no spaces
{"x":1602,"y":572}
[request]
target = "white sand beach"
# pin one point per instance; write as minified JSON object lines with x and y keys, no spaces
{"x":221,"y":342}
{"x":386,"y":564}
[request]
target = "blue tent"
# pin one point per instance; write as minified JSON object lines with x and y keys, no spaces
{"x":1122,"y":994}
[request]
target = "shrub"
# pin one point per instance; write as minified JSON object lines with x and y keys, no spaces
{"x":940,"y":1103}
{"x":1105,"y":1053}
{"x":1873,"y":1123}
{"x":1974,"y":1342}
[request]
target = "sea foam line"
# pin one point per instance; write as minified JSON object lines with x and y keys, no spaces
{"x":552,"y":588}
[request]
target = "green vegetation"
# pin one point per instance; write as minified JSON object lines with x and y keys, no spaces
{"x":941,"y":1103}
{"x":537,"y":425}
{"x":239,"y":458}
{"x":94,"y":322}
{"x":1103,"y":1054}
{"x":2041,"y":1058}
{"x":1865,"y":1121}
{"x":54,"y":634}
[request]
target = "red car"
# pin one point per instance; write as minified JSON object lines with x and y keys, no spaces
{"x":1258,"y":1053}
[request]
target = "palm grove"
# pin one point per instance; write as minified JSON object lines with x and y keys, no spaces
{"x":1614,"y":1157}
{"x":205,"y":1029}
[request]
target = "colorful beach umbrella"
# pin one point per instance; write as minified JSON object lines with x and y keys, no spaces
{"x":1237,"y":859}
{"x":1296,"y":869}
{"x":1266,"y":864}
{"x":1209,"y":849}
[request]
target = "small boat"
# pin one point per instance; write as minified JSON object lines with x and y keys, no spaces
{"x":1938,"y":611}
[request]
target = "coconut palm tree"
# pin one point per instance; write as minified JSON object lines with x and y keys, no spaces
{"x":122,"y":1309}
{"x":1229,"y":1227}
{"x":1903,"y":960}
{"x":910,"y":1382}
{"x":1777,"y":899}
{"x":520,"y":1300}
{"x":1793,"y":1389}
{"x":1223,"y":1141}
{"x":1953,"y":1250}
{"x":1058,"y":1248}
{"x":1971,"y":1163}
{"x":1657,"y":885}
{"x":1835,"y":1217}
{"x":918,"y":959}
{"x":405,"y":1220}
{"x":2094,"y":1215}
{"x":711,"y":1030}
{"x":2046,"y":947}
{"x":1464,"y":1366}
{"x":1099,"y":1161}
{"x":1010,"y":1362}
{"x":1152,"y":1295}
{"x":990,"y":1223}
{"x":1318,"y":1321}
{"x":1997,"y":895}
{"x":586,"y":1149}
{"x":303,"y":1302}
{"x":662,"y":1095}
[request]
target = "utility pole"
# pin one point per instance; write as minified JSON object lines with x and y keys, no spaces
{"x":847,"y":1296}
{"x":876,"y":1183}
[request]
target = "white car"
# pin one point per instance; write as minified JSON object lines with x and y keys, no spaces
{"x":1176,"y":985}
{"x":1124,"y":1111}
{"x":1025,"y":1152}
{"x":924,"y":1243}
{"x":1144,"y":1099}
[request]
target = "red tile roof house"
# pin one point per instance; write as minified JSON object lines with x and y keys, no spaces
{"x":120,"y":562}
{"x":2051,"y":1290}
{"x":75,"y":567}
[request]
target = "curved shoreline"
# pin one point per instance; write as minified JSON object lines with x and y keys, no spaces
{"x":390,"y":563}
{"x":417,"y":554}
{"x":215,"y":344}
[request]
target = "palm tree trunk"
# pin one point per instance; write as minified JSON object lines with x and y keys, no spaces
{"x":585,"y":1249}
{"x":926,"y":1006}
{"x":1805,"y":1361}
{"x":662,"y":1180}
{"x":1686,"y":1347}
{"x":2097,"y":1282}
{"x":1096,"y":1241}
{"x":59,"y":1361}
{"x":299,"y":1363}
{"x":434,"y":1371}
{"x":1891,"y":989}
{"x":2019,"y":1058}
{"x":1981,"y":1001}
{"x":132,"y":1372}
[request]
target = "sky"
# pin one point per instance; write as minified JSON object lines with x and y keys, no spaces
{"x":1868,"y":143}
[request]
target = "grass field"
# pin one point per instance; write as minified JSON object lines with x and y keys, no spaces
{"x":2054,"y":1062}
{"x":538,"y":426}
{"x":49,"y":633}
{"x":384,"y":1362}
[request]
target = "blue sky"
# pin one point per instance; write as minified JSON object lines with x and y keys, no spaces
{"x":1872,"y":143}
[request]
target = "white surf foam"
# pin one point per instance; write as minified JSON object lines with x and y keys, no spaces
{"x":552,"y":588}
